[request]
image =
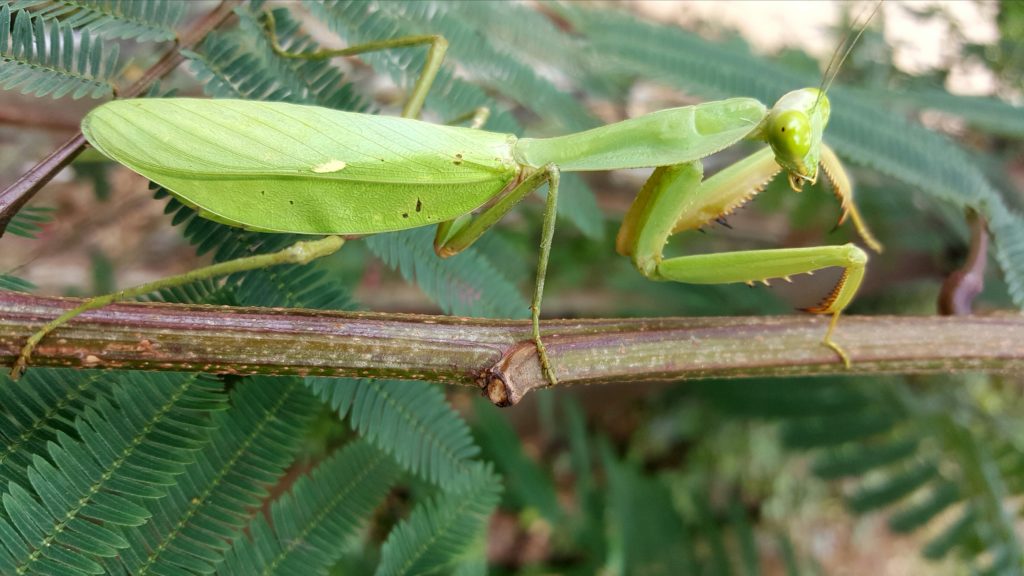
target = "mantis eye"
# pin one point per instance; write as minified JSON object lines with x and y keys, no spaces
{"x":790,"y":136}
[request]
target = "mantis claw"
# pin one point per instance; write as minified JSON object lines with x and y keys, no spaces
{"x":831,"y":344}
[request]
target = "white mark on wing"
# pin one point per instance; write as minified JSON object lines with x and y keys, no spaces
{"x":329,"y":166}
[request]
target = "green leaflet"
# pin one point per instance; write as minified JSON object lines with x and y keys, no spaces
{"x":241,"y":64}
{"x":915,"y":516}
{"x":294,"y":286}
{"x":896,"y":486}
{"x":42,"y":58}
{"x":858,"y":459}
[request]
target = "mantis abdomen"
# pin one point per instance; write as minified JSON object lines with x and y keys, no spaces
{"x":279,"y":167}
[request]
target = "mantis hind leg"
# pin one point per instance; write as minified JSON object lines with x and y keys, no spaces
{"x":676,"y":199}
{"x":298,"y":253}
{"x":435,"y":56}
{"x":455,"y":236}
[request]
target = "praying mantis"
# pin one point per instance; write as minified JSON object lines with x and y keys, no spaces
{"x":286,"y":168}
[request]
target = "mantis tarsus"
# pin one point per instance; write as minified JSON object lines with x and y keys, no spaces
{"x":280,"y":167}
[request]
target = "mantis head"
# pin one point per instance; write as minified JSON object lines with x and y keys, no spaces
{"x":793,"y":129}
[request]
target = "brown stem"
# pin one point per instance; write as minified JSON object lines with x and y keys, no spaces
{"x":24,"y":188}
{"x":497,"y":355}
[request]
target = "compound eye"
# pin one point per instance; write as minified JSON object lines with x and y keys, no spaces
{"x":790,"y":134}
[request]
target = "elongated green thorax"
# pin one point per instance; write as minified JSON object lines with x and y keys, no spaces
{"x":793,"y":128}
{"x":662,"y":138}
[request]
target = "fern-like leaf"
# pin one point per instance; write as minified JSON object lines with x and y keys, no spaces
{"x":989,"y":114}
{"x":920,"y":456}
{"x":442,"y":529}
{"x":466,"y":284}
{"x":894,"y":487}
{"x":857,"y":459}
{"x":215,"y":497}
{"x":42,"y":58}
{"x":294,"y":286}
{"x":526,"y":484}
{"x":89,"y":489}
{"x":38,"y":407}
{"x":410,"y":420}
{"x":308,"y":524}
{"x":646,"y":535}
{"x":242,"y":64}
{"x":141,"y":20}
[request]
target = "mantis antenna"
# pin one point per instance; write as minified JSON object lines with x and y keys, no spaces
{"x":836,"y":62}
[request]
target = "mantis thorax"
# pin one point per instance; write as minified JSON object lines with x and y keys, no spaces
{"x":793,"y":128}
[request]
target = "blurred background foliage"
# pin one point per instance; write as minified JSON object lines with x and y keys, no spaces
{"x":891,"y":475}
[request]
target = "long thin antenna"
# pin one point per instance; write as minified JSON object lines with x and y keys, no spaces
{"x":834,"y":65}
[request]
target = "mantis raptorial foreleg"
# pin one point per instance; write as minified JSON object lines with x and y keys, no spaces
{"x":675,"y":199}
{"x":455,"y":236}
{"x":841,"y":185}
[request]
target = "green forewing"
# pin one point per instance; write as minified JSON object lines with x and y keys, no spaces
{"x":281,"y":167}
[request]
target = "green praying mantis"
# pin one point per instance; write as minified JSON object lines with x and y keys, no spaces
{"x":278,"y":167}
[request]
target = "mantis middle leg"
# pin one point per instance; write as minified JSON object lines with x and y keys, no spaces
{"x":675,"y":198}
{"x":435,"y":56}
{"x":456,"y":235}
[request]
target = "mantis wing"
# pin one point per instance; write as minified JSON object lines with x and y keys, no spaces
{"x":280,"y":167}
